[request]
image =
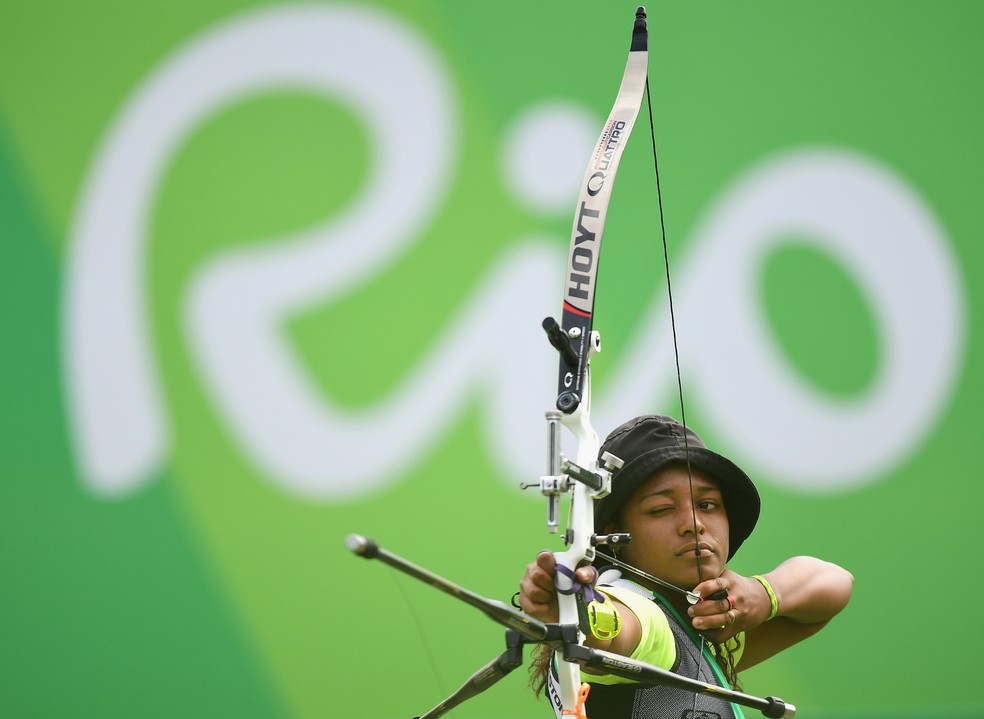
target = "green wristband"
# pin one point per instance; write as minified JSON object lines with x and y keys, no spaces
{"x":773,"y":599}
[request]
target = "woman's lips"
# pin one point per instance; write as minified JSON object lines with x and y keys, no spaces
{"x":691,"y":550}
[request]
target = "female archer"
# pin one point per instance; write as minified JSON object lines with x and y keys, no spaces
{"x":688,"y":510}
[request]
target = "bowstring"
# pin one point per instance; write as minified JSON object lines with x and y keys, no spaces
{"x":679,"y":373}
{"x":428,"y":650}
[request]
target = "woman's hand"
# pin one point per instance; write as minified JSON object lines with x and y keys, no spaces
{"x":747,"y":607}
{"x":537,"y":591}
{"x":538,"y":598}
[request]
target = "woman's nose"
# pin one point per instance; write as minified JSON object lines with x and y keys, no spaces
{"x":691,"y":524}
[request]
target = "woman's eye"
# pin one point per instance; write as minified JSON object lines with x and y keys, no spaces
{"x":707,"y":505}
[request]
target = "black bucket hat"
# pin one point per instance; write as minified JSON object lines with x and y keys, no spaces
{"x":647,"y":444}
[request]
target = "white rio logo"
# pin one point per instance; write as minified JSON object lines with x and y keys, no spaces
{"x":858,"y":212}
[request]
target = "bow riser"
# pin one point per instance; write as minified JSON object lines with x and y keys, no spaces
{"x":580,"y":532}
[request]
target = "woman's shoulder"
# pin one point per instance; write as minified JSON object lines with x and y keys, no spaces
{"x":639,"y":601}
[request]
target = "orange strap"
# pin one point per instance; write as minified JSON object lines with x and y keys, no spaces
{"x":578,"y":711}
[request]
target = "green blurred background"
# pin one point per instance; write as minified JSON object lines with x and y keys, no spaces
{"x":203,"y":573}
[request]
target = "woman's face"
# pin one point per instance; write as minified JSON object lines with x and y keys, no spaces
{"x":660,"y":517}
